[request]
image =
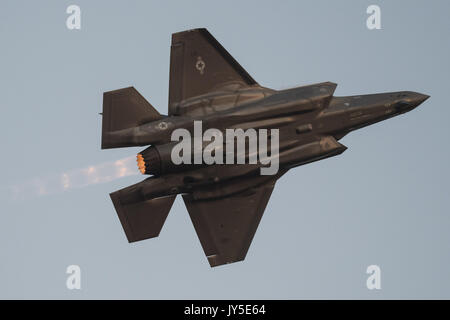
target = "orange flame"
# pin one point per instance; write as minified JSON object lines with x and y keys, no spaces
{"x":140,"y":163}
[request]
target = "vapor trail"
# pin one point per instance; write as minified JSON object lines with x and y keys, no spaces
{"x":77,"y":178}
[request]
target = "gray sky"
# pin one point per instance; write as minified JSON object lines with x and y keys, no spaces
{"x":384,"y":201}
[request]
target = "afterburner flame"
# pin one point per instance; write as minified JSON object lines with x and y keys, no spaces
{"x":140,"y":163}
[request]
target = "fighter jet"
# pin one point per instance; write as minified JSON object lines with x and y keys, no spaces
{"x":226,"y":201}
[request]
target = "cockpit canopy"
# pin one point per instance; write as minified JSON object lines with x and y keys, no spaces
{"x":225,"y":98}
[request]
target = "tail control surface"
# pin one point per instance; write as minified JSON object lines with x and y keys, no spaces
{"x":142,"y":220}
{"x":123,"y":109}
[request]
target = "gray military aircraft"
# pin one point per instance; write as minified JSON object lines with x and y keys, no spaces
{"x":226,"y":201}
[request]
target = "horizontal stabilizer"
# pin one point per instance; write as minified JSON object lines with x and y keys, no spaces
{"x":123,"y":109}
{"x":142,"y":220}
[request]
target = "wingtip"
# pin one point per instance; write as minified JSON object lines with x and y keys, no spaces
{"x":178,"y":33}
{"x":216,"y":260}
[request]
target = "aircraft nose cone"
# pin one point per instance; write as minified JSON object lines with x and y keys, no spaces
{"x":410,"y":100}
{"x":418,"y":98}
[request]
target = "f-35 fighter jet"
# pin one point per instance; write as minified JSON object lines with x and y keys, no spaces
{"x":226,"y":201}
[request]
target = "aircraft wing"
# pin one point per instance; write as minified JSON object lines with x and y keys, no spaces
{"x":199,"y":64}
{"x":226,"y":226}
